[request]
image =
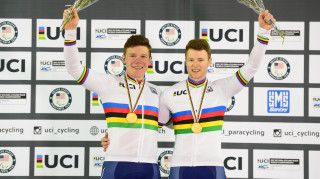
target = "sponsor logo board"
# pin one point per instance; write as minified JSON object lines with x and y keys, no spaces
{"x":278,"y":164}
{"x":60,"y":99}
{"x":15,"y":66}
{"x":169,"y":34}
{"x":15,"y":98}
{"x":49,"y":35}
{"x":52,"y":66}
{"x":314,"y":102}
{"x":15,"y":32}
{"x":14,"y":161}
{"x":278,"y":101}
{"x":293,"y":41}
{"x":113,"y":33}
{"x":59,"y":161}
{"x":281,"y":69}
{"x":224,"y":35}
{"x":52,"y":130}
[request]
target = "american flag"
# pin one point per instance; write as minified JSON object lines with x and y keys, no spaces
{"x":60,"y":96}
{"x":115,"y":63}
{"x":278,"y":65}
{"x":4,"y":158}
{"x":167,"y":158}
{"x":6,"y":29}
{"x":170,"y":31}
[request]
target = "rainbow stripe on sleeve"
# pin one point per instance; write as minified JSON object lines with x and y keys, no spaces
{"x":211,"y":119}
{"x":263,"y":40}
{"x":69,"y":42}
{"x":241,"y":79}
{"x":84,"y":75}
{"x":116,"y":116}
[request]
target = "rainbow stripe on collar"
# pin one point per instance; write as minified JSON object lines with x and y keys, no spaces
{"x":196,"y":84}
{"x":134,"y":80}
{"x":263,"y":40}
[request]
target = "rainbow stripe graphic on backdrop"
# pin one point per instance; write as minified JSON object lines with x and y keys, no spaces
{"x":150,"y":68}
{"x":39,"y":161}
{"x":95,"y":99}
{"x":204,"y":34}
{"x":41,"y":33}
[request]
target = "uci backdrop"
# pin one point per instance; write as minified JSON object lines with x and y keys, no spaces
{"x":50,"y":126}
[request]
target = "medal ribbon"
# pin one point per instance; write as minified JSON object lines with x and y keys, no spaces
{"x":128,"y":92}
{"x":196,"y":118}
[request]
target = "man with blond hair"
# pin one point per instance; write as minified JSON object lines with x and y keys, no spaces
{"x":130,"y":105}
{"x":198,"y":114}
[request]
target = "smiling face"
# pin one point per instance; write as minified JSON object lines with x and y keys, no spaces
{"x":198,"y":58}
{"x":137,"y":59}
{"x":197,"y":62}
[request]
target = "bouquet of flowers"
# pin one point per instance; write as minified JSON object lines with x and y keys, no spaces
{"x":258,"y":7}
{"x":80,"y":5}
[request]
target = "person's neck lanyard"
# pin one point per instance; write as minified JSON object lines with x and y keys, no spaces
{"x":132,"y":117}
{"x":196,"y":126}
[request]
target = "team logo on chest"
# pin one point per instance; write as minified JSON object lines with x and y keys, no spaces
{"x":209,"y":89}
{"x":181,"y":92}
{"x":153,"y":90}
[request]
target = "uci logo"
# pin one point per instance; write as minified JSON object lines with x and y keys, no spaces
{"x":261,"y":161}
{"x":13,"y":65}
{"x":65,"y":161}
{"x":176,"y":67}
{"x":181,"y":92}
{"x":231,"y":35}
{"x":46,"y":32}
{"x":233,"y":163}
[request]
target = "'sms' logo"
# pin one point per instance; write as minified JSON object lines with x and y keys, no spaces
{"x":278,"y":101}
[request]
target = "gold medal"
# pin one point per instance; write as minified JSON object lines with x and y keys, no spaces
{"x":196,"y":127}
{"x":132,"y":117}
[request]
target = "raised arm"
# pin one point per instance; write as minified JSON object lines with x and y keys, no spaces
{"x":235,"y":83}
{"x":84,"y":76}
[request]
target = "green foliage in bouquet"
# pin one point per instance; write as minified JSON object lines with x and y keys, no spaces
{"x":80,"y":5}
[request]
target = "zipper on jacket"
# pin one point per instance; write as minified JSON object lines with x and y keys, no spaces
{"x":141,"y":136}
{"x":193,"y":149}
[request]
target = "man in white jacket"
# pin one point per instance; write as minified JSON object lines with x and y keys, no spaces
{"x":196,"y":107}
{"x":130,"y":104}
